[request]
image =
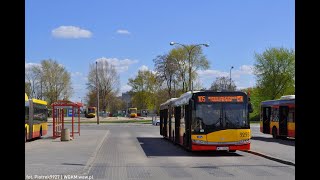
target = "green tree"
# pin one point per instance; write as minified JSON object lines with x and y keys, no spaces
{"x":256,"y":98}
{"x":275,"y":72}
{"x":144,"y":87}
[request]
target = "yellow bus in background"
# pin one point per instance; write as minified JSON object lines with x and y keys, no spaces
{"x":90,"y":112}
{"x":36,"y":118}
{"x":133,"y":112}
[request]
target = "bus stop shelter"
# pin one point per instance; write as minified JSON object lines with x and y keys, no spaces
{"x":58,"y":114}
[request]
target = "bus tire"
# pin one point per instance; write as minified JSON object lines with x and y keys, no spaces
{"x":40,"y":131}
{"x":274,"y":132}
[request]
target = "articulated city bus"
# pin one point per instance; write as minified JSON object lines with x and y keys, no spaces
{"x":277,"y":117}
{"x":207,"y":120}
{"x":36,"y":118}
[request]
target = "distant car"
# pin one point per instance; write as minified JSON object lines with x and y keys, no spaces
{"x":156,"y":122}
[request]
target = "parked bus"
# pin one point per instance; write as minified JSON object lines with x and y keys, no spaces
{"x":133,"y":112}
{"x":36,"y":118}
{"x":277,"y":117}
{"x":90,"y":112}
{"x":207,"y":120}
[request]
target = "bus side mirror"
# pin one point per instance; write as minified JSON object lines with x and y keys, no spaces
{"x":250,"y":109}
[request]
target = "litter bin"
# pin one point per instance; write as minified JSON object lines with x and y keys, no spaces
{"x":65,"y":134}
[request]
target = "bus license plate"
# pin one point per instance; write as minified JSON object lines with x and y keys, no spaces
{"x":222,"y":148}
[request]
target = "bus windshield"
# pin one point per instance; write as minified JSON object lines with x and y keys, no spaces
{"x":133,"y":110}
{"x":218,"y":116}
{"x":91,"y":110}
{"x":235,"y":116}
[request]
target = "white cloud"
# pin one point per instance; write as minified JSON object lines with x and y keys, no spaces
{"x":243,"y":76}
{"x":120,"y":65}
{"x":243,"y":70}
{"x":144,"y":68}
{"x":76,"y":74}
{"x":123,"y":31}
{"x":211,"y":73}
{"x":246,"y":69}
{"x":30,"y":65}
{"x":125,"y":88}
{"x":71,"y":32}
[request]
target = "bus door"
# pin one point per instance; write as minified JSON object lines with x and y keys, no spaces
{"x":165,"y":123}
{"x":266,"y":119}
{"x":283,"y":120}
{"x":187,"y":135}
{"x":161,"y":122}
{"x":169,"y":121}
{"x":177,"y":116}
{"x":172,"y":119}
{"x":31,"y":122}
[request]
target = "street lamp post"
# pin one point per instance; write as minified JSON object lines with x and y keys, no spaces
{"x":97,"y":85}
{"x":230,"y":78}
{"x":189,"y":50}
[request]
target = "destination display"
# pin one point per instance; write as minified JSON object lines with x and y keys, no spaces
{"x":202,"y":99}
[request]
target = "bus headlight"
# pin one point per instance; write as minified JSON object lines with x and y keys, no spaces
{"x":199,"y":141}
{"x":245,"y":141}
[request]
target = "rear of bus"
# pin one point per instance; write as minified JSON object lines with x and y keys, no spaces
{"x":220,"y":121}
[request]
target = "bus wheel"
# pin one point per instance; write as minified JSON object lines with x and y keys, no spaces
{"x":40,"y":131}
{"x":274,"y":132}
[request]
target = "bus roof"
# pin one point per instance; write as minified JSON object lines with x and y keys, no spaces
{"x":184,"y":98}
{"x":38,"y":101}
{"x":277,"y":102}
{"x":287,"y":97}
{"x":168,"y":102}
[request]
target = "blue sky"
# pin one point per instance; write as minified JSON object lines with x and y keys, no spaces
{"x":130,"y":34}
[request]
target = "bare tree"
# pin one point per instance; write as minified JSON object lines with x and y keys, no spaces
{"x":49,"y":81}
{"x":166,"y":68}
{"x":32,"y":78}
{"x":223,"y":84}
{"x":108,"y":81}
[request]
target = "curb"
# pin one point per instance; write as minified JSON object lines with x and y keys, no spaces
{"x":271,"y":158}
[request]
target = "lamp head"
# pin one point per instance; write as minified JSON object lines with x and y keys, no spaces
{"x":172,"y":43}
